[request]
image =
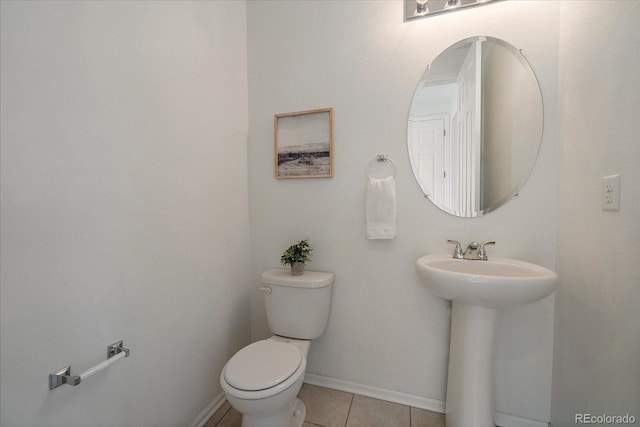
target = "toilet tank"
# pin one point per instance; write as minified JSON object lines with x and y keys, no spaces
{"x":297,"y":306}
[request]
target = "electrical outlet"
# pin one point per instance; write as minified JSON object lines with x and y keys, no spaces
{"x":611,"y":193}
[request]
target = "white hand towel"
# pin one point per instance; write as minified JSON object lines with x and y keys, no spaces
{"x":381,"y":208}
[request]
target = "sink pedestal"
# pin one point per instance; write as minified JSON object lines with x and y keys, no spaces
{"x":470,"y":383}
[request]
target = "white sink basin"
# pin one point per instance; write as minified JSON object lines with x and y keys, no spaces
{"x":496,"y":283}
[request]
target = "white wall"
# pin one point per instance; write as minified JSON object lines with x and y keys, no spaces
{"x":596,"y":366}
{"x":360,"y":58}
{"x":124,"y":207}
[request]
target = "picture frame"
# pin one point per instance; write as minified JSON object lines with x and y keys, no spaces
{"x":303,"y":144}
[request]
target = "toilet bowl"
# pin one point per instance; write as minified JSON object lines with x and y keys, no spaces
{"x":263,"y":379}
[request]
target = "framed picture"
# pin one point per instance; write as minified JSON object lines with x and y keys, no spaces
{"x":303,"y":144}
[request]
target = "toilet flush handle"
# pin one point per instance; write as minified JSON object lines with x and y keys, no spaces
{"x":265,"y":289}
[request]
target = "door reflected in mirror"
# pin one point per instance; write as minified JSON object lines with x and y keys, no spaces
{"x":475,"y":126}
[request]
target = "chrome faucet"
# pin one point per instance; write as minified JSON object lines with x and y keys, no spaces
{"x":457,"y":253}
{"x":482,"y":253}
{"x":474,"y":251}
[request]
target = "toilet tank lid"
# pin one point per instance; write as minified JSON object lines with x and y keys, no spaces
{"x":310,"y":279}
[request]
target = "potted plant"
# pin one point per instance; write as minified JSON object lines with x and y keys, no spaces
{"x":297,"y":256}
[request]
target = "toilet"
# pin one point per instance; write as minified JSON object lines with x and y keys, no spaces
{"x":262,"y":380}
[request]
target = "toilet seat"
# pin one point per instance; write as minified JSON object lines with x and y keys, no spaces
{"x":263,"y":364}
{"x":262,"y":369}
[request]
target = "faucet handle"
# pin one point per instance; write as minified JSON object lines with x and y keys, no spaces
{"x":482,"y":254}
{"x":457,"y":254}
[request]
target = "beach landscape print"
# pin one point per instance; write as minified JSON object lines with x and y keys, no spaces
{"x":304,"y":144}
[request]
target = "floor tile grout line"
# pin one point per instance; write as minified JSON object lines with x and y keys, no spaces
{"x":224,"y":415}
{"x":349,"y":411}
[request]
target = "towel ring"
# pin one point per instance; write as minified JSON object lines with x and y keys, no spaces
{"x":382,"y":158}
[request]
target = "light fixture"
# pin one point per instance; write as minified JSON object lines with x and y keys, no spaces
{"x":414,"y":9}
{"x":421,"y":7}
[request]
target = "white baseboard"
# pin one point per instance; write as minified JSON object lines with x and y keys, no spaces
{"x":377,"y":393}
{"x":506,"y":420}
{"x":435,"y":405}
{"x":208,"y":412}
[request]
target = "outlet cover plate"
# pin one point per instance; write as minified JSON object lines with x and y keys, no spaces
{"x":611,"y":193}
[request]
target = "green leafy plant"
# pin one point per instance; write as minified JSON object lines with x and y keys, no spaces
{"x":297,"y":253}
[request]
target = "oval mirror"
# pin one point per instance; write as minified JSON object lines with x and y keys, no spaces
{"x":475,"y":126}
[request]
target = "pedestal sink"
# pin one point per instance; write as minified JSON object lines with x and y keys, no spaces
{"x":477,"y":290}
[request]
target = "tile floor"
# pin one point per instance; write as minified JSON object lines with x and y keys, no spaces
{"x":332,"y":408}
